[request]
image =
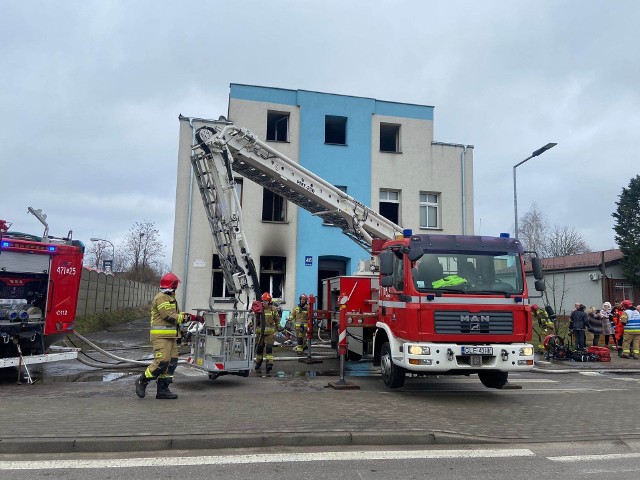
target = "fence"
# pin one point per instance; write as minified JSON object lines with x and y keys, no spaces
{"x":100,"y":292}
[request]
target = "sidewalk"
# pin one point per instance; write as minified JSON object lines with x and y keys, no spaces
{"x":294,"y":407}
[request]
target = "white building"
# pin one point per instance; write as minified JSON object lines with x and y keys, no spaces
{"x":381,"y":153}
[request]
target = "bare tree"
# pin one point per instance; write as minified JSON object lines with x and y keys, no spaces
{"x":563,"y":241}
{"x":557,"y":241}
{"x":533,"y":230}
{"x":95,"y":253}
{"x":143,"y":252}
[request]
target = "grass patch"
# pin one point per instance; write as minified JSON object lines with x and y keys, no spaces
{"x":97,"y":322}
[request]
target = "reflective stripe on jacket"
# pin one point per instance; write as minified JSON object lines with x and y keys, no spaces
{"x":165,"y":316}
{"x":633,"y":322}
{"x":300,"y":315}
{"x":271,"y":319}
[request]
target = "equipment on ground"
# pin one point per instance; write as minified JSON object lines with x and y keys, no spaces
{"x":445,"y":304}
{"x":39,"y":283}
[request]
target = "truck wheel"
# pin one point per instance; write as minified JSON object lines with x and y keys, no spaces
{"x":493,"y":379}
{"x":392,"y":375}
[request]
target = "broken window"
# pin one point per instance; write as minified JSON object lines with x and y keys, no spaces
{"x":273,"y":207}
{"x":335,"y":130}
{"x":272,"y":271}
{"x":389,"y":138}
{"x":278,"y":126}
{"x":390,"y":205}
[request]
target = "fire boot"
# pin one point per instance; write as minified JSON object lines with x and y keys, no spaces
{"x":163,"y":391}
{"x":269,"y":366}
{"x":141,"y":385}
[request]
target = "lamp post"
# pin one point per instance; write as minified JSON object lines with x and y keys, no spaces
{"x":540,"y":151}
{"x":113,"y":249}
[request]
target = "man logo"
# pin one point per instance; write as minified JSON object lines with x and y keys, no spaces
{"x":473,"y":322}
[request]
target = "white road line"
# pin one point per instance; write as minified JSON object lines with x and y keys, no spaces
{"x":582,"y":458}
{"x":263,"y":458}
{"x":535,"y":380}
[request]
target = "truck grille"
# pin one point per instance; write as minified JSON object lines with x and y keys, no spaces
{"x":494,"y":323}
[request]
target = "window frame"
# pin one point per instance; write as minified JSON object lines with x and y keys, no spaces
{"x":397,"y":128}
{"x":284,"y":207}
{"x":267,"y":268}
{"x":426,"y":204}
{"x":281,"y":116}
{"x":383,"y":197}
{"x":335,"y":121}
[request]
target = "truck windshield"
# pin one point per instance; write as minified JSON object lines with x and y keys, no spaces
{"x":484,"y":272}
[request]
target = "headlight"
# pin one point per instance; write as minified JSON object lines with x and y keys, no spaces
{"x":418,"y":350}
{"x":526,"y":351}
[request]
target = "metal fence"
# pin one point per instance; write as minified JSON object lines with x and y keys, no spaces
{"x":100,"y":292}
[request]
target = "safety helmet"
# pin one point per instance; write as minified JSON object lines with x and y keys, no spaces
{"x":266,"y":297}
{"x":169,"y":281}
{"x":535,"y":307}
{"x":626,"y":304}
{"x":303,"y":297}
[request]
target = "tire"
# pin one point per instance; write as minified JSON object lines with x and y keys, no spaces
{"x":494,"y":379}
{"x":392,"y":375}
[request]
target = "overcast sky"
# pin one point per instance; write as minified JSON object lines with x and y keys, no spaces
{"x":90,"y":93}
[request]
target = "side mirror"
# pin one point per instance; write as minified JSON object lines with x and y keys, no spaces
{"x":540,"y":286}
{"x":386,"y":281}
{"x":386,"y":263}
{"x":536,"y":265}
{"x":416,"y":253}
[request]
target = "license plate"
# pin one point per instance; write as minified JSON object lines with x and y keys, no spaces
{"x":477,"y":350}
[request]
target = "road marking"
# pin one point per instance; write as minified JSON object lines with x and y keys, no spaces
{"x":263,"y":458}
{"x":581,"y":458}
{"x":536,"y":380}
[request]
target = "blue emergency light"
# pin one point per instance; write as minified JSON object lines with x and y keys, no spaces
{"x":504,"y":235}
{"x":5,"y":244}
{"x":407,"y":232}
{"x":52,"y":249}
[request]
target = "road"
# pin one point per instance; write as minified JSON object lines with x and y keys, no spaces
{"x":516,"y":462}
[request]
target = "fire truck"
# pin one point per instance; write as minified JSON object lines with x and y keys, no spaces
{"x":39,"y":282}
{"x":429,"y":304}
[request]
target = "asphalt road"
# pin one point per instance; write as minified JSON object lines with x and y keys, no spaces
{"x":515,"y":462}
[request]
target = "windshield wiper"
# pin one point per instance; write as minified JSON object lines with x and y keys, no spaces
{"x":448,"y":290}
{"x":506,"y":294}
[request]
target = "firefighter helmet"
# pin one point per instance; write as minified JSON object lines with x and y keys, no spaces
{"x":626,"y":304}
{"x":304,"y":297}
{"x":266,"y":297}
{"x":534,"y":307}
{"x":169,"y":281}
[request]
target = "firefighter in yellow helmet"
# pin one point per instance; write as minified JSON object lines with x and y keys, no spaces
{"x":265,"y":333}
{"x":299,"y":318}
{"x":166,"y":319}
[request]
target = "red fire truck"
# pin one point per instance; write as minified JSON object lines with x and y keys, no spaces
{"x":39,"y":282}
{"x":439,"y":304}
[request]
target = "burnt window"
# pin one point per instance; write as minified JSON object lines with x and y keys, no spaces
{"x":272,"y":271}
{"x":390,"y":205}
{"x":389,"y":138}
{"x":335,"y":130}
{"x":278,"y":126}
{"x":273,"y":207}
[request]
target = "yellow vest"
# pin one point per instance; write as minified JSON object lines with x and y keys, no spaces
{"x":165,"y":316}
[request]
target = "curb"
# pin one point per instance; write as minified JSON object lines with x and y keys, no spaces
{"x":576,"y":370}
{"x":215,"y":442}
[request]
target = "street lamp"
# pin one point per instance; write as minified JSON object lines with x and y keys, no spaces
{"x":113,"y":249}
{"x":540,"y":151}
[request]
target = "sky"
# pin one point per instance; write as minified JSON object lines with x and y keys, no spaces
{"x":90,"y":93}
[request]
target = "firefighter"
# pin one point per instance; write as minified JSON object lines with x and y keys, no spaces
{"x":266,"y":336}
{"x":166,"y":319}
{"x":300,"y":317}
{"x":544,"y":324}
{"x":630,"y":317}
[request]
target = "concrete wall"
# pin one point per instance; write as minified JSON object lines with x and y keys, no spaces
{"x":100,"y":293}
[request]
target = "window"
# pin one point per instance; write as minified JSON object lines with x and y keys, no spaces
{"x":272,"y":275}
{"x":278,"y":126}
{"x":429,"y":210}
{"x":335,"y":130}
{"x":622,"y":291}
{"x":273,"y":207}
{"x":344,"y":189}
{"x":239,"y":188}
{"x":390,"y":205}
{"x":219,"y":285}
{"x":389,"y":138}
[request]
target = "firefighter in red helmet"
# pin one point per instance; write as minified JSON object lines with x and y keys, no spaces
{"x":266,"y":332}
{"x":166,"y":319}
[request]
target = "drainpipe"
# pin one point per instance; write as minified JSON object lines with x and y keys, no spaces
{"x":188,"y":239}
{"x":464,"y":190}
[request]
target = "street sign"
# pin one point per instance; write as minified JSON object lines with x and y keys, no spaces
{"x":107,"y":265}
{"x":308,"y":260}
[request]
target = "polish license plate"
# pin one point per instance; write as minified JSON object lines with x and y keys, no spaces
{"x":477,"y":350}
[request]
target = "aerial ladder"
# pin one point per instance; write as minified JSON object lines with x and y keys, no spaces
{"x":223,"y":149}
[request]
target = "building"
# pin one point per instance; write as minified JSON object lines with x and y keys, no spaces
{"x":588,"y":278}
{"x":381,"y":153}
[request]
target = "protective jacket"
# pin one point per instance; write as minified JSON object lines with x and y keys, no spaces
{"x":271,"y":320}
{"x":633,"y":321}
{"x":165,"y":316}
{"x":300,"y":314}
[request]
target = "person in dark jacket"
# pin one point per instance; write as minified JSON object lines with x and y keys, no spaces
{"x":578,"y":324}
{"x":594,"y":325}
